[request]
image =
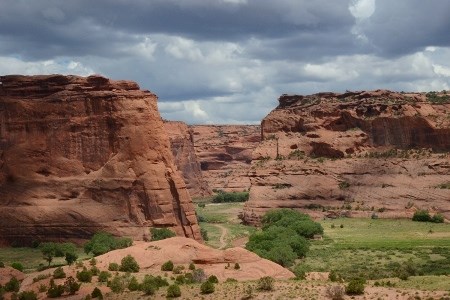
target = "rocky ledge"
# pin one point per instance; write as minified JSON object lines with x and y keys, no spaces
{"x":360,"y":154}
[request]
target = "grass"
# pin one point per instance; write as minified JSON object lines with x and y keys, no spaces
{"x":379,"y":248}
{"x":31,"y":258}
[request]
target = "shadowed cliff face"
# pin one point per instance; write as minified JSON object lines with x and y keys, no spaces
{"x":356,"y":154}
{"x":78,"y":155}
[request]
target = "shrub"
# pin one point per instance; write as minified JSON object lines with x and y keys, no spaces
{"x":155,"y":282}
{"x":437,"y":218}
{"x":97,"y":293}
{"x":282,"y":255}
{"x":421,"y":216}
{"x":355,"y":287}
{"x":133,"y":285}
{"x":51,"y":250}
{"x":41,"y":277}
{"x":13,"y":285}
{"x":335,"y":292}
{"x":17,"y":266}
{"x":188,"y":278}
{"x":148,"y":287}
{"x":222,"y":197}
{"x":204,"y":234}
{"x":180,"y":279}
{"x":173,"y":291}
{"x":71,"y":286}
{"x":178,"y":269}
{"x":266,"y":283}
{"x":207,"y":287}
{"x":2,"y":264}
{"x":27,"y":295}
{"x":113,"y":267}
{"x":94,"y":271}
{"x":55,"y":291}
{"x":129,"y":264}
{"x":117,"y":284}
{"x":167,"y":266}
{"x":104,"y":276}
{"x":84,"y":275}
{"x":59,"y":273}
{"x":42,"y":288}
{"x":300,"y":271}
{"x":213,"y":279}
{"x":198,"y":275}
{"x":333,"y":276}
{"x":161,"y":233}
{"x":103,"y":242}
{"x":237,"y":266}
{"x":70,"y":257}
{"x":191,"y":266}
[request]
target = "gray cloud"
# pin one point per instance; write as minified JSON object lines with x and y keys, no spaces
{"x":228,"y":61}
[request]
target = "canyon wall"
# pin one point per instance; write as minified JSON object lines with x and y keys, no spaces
{"x":79,"y":155}
{"x":182,"y":144}
{"x":225,"y":154}
{"x":360,"y":154}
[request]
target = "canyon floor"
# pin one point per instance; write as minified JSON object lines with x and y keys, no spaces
{"x":350,"y":246}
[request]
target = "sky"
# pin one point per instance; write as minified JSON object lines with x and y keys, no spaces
{"x":228,"y":61}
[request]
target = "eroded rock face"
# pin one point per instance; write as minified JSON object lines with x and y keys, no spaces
{"x":357,"y":154}
{"x":79,"y":155}
{"x":225,"y":154}
{"x":182,"y":144}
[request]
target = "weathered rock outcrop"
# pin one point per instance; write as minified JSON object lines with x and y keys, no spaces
{"x":225,"y":154}
{"x":182,"y":144}
{"x":357,"y":153}
{"x":79,"y":155}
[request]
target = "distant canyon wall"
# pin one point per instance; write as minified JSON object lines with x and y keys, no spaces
{"x":377,"y":153}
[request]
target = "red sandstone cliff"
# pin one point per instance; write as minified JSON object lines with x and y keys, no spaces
{"x":78,"y":155}
{"x":225,"y":154}
{"x":357,"y":153}
{"x":182,"y":144}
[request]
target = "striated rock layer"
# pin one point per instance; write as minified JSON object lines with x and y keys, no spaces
{"x":379,"y":153}
{"x":182,"y":144}
{"x":79,"y":155}
{"x":225,"y":154}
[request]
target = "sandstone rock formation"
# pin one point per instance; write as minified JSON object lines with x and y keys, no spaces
{"x":182,"y":144}
{"x":79,"y":155}
{"x":375,"y":153}
{"x":225,"y":154}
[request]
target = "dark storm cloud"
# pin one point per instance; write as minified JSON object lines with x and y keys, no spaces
{"x":42,"y":29}
{"x":403,"y":27}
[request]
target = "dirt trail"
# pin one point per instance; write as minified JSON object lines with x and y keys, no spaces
{"x":223,"y":242}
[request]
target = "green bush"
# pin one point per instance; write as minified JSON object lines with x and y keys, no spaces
{"x":207,"y":287}
{"x":113,"y":267}
{"x":71,"y":286}
{"x":421,"y":216}
{"x":59,"y":273}
{"x":2,"y":264}
{"x":437,"y":218}
{"x":103,"y":242}
{"x":94,"y":271}
{"x":13,"y":285}
{"x":103,"y":276}
{"x":161,"y":233}
{"x":97,"y":293}
{"x":266,"y":283}
{"x":167,"y":266}
{"x":129,"y":264}
{"x":85,"y":275}
{"x":27,"y":295}
{"x":178,"y":269}
{"x":191,"y":266}
{"x":51,"y":250}
{"x":213,"y":279}
{"x":355,"y":286}
{"x":237,"y":266}
{"x":55,"y":291}
{"x":117,"y":284}
{"x":17,"y":266}
{"x":173,"y":291}
{"x":222,"y":197}
{"x":41,"y":277}
{"x":133,"y":285}
{"x":300,"y":271}
{"x":204,"y":234}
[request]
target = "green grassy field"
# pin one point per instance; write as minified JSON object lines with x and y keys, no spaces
{"x":31,"y":258}
{"x":380,"y":248}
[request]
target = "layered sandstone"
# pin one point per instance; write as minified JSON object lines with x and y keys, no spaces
{"x":182,"y":144}
{"x":79,"y":155}
{"x":225,"y":154}
{"x":359,"y":154}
